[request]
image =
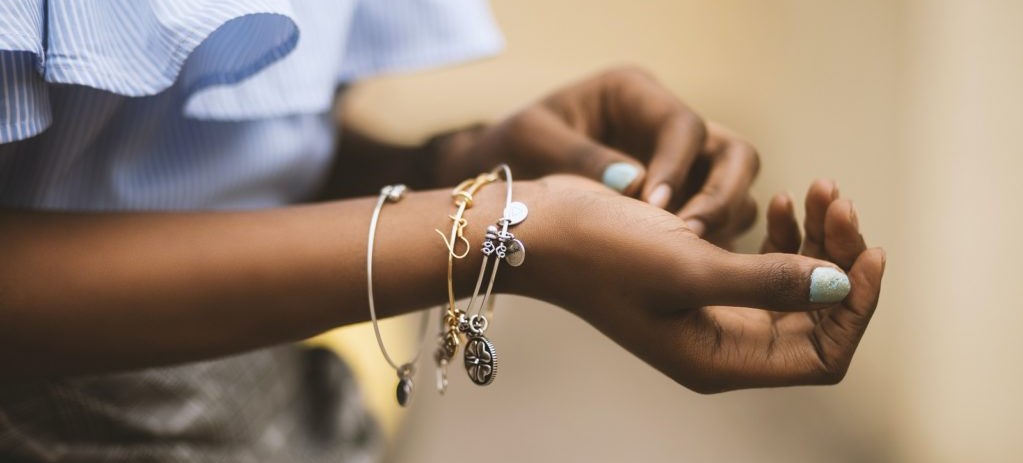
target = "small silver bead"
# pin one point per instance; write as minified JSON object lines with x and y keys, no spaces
{"x":395,"y":192}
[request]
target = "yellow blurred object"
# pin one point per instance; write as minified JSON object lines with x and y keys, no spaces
{"x":358,"y":346}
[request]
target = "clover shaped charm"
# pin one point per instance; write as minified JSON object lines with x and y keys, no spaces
{"x":480,"y":360}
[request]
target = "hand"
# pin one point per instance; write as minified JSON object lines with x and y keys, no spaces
{"x":625,"y":129}
{"x":710,"y":319}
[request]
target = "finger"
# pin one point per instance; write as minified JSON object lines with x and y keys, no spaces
{"x":781,"y":282}
{"x":679,"y":140}
{"x":820,"y":195}
{"x":731,"y":173}
{"x":782,"y":228}
{"x":842,"y":239}
{"x":841,"y":329}
{"x":742,"y":220}
{"x":559,"y":148}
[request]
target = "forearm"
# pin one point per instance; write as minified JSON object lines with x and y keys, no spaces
{"x":86,"y":293}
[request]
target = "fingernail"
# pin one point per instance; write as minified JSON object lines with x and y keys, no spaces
{"x":828,"y":285}
{"x":697,"y":226}
{"x":619,"y":176}
{"x":660,"y":196}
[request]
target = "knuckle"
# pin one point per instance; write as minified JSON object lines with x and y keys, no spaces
{"x":524,"y":121}
{"x":585,"y":157}
{"x":713,"y":208}
{"x":747,"y":215}
{"x":832,"y":375}
{"x":693,"y":124}
{"x":782,"y":282}
{"x":748,"y":154}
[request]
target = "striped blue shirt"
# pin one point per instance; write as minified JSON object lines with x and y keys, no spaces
{"x":198,"y":104}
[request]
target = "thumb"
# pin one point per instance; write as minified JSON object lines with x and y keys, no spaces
{"x":780,"y":282}
{"x":548,"y":145}
{"x":589,"y":158}
{"x":620,"y":172}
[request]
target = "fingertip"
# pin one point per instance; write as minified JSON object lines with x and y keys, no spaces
{"x":660,"y":196}
{"x":870,"y":265}
{"x":822,"y":185}
{"x":697,"y":226}
{"x":780,"y":202}
{"x":623,"y":177}
{"x":840,"y":212}
{"x":880,"y":255}
{"x":828,"y":285}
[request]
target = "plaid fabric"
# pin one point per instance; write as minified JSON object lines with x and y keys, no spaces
{"x":285,"y":404}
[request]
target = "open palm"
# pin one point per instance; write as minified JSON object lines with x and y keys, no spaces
{"x":753,"y":347}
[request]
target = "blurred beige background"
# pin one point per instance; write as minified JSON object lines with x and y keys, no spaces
{"x":912,"y":106}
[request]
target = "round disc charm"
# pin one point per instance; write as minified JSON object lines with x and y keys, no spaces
{"x":516,"y":212}
{"x":516,"y":253}
{"x":404,"y":392}
{"x":480,"y":360}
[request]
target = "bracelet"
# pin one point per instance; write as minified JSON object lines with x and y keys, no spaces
{"x":480,"y":356}
{"x":448,"y":338}
{"x":392,"y":194}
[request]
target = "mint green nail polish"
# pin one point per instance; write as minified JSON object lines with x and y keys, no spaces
{"x":619,"y":175}
{"x":828,"y":285}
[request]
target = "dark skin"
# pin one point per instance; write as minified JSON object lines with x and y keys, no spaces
{"x":620,"y":115}
{"x":147,"y":289}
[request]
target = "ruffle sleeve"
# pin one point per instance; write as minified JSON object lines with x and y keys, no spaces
{"x":132,"y":48}
{"x":227,"y":60}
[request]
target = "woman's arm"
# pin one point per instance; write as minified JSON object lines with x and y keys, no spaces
{"x":95,"y":292}
{"x":87,"y":293}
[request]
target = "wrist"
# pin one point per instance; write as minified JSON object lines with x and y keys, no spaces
{"x":541,"y":234}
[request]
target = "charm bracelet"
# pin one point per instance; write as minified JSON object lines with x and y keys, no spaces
{"x":480,"y":356}
{"x":391,"y":194}
{"x":449,"y":336}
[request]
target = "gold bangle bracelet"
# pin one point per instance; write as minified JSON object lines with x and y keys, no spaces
{"x":449,"y":336}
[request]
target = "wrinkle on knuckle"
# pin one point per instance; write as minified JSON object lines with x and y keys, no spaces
{"x":832,"y":374}
{"x":779,"y":282}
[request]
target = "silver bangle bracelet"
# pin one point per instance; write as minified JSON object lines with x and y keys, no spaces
{"x":391,"y":194}
{"x":480,"y":356}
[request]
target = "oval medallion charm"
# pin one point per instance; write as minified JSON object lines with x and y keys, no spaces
{"x":516,"y":253}
{"x":516,"y":212}
{"x":480,"y":360}
{"x":404,"y":392}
